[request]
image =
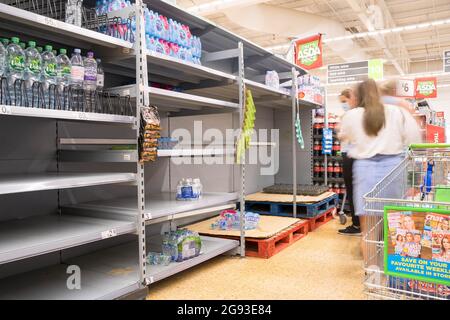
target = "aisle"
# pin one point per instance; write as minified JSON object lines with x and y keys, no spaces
{"x":324,"y":265}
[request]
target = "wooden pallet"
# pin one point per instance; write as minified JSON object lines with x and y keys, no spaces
{"x":266,"y":248}
{"x":304,"y":210}
{"x":320,"y":220}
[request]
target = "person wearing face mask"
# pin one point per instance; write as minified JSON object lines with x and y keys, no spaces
{"x":348,"y":102}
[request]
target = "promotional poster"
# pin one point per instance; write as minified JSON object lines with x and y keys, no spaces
{"x":417,"y":244}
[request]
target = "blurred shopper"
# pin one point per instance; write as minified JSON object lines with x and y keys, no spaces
{"x":379,"y":135}
{"x":348,"y":102}
{"x":388,"y":90}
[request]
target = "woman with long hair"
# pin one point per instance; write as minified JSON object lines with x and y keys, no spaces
{"x":380,"y":135}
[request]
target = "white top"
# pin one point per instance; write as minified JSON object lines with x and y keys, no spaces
{"x":399,"y":132}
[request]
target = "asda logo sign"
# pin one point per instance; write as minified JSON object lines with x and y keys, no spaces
{"x":426,"y":88}
{"x":308,"y":52}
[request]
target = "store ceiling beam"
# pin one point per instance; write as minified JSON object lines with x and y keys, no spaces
{"x":398,"y":38}
{"x":355,"y":6}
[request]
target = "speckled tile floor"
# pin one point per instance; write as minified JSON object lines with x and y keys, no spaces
{"x":323,"y":265}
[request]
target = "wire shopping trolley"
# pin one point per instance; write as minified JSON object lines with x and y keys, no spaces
{"x":412,"y":200}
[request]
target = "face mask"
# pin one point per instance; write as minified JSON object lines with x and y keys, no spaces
{"x":345,"y":106}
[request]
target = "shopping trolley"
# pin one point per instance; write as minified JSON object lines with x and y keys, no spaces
{"x":414,"y":183}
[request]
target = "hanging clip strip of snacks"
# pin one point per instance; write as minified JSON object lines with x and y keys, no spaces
{"x":150,"y":132}
{"x":248,"y":126}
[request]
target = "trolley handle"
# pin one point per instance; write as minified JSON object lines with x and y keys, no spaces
{"x":429,"y":146}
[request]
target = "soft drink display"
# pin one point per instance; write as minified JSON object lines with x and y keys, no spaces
{"x":33,"y":69}
{"x":15,"y":67}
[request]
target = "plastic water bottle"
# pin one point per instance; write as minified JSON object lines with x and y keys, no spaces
{"x":5,"y":42}
{"x":63,"y":72}
{"x":90,"y":72}
{"x":76,"y":80}
{"x":33,"y":70}
{"x":73,"y":12}
{"x":48,"y":76}
{"x":77,"y":70}
{"x":100,"y":75}
{"x":15,"y":66}
{"x":90,"y":81}
{"x":2,"y":59}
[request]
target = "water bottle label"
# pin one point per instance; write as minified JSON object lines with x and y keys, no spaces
{"x":77,"y":73}
{"x":90,"y":77}
{"x":50,"y":70}
{"x":35,"y":66}
{"x":66,"y":70}
{"x":100,"y":80}
{"x":159,"y":25}
{"x":186,"y":192}
{"x":17,"y":63}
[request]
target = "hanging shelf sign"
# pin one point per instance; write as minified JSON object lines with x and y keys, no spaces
{"x":446,"y":61}
{"x":426,"y":88}
{"x":308,"y":52}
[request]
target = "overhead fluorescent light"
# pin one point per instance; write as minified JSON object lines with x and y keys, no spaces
{"x":375,"y":32}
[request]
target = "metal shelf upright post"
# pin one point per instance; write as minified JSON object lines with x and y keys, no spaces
{"x":294,"y":97}
{"x":141,"y":101}
{"x":242,"y":102}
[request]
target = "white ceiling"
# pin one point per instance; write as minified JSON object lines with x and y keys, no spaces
{"x":411,"y":52}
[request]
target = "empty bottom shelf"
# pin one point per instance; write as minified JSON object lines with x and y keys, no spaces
{"x":106,"y":274}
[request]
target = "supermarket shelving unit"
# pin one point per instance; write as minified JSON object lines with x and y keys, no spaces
{"x":88,"y":207}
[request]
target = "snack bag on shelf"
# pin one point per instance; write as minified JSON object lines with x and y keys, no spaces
{"x":150,"y":133}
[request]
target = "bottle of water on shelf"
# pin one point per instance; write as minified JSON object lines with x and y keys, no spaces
{"x":2,"y":59}
{"x":48,"y":76}
{"x":74,"y":12}
{"x":63,"y":72}
{"x":90,"y":81}
{"x":100,"y":75}
{"x":76,"y":80}
{"x":15,"y":67}
{"x":33,"y":70}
